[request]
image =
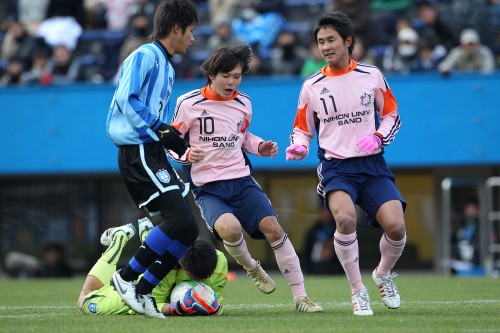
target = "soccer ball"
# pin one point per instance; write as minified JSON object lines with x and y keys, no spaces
{"x":180,"y":290}
{"x":194,"y":298}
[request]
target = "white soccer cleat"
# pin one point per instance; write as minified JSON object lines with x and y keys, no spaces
{"x":388,"y":290}
{"x":305,"y":304}
{"x":127,"y":291}
{"x":107,"y":236}
{"x":144,"y":224}
{"x":150,"y":308}
{"x":361,"y":303}
{"x":263,"y":282}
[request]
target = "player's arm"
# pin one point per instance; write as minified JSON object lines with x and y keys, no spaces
{"x":387,"y":108}
{"x":303,"y":129}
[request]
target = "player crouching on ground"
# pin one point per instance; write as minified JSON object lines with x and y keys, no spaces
{"x":202,"y":262}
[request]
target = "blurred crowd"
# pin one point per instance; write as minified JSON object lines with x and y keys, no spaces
{"x":47,"y":42}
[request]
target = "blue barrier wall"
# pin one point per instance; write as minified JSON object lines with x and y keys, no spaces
{"x":452,"y":121}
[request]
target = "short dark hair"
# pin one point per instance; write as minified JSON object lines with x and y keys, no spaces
{"x":200,"y":260}
{"x":225,"y":59}
{"x":340,"y":22}
{"x":172,"y":12}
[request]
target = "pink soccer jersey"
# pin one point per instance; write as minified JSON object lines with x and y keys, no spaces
{"x":219,"y":127}
{"x":343,"y":106}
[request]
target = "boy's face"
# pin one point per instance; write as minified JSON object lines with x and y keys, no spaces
{"x":333,"y":48}
{"x":182,"y":40}
{"x":225,"y":84}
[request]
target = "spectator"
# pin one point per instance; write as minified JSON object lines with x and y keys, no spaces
{"x":403,"y":56}
{"x":473,"y":14}
{"x":465,"y":237}
{"x":319,"y":254}
{"x":40,"y":72}
{"x":15,"y":72}
{"x":469,"y":56}
{"x":52,"y":264}
{"x":313,"y":62}
{"x":430,"y":25}
{"x":223,"y":37}
{"x":287,"y":55}
{"x":18,"y":42}
{"x":7,"y":13}
{"x":64,"y":67}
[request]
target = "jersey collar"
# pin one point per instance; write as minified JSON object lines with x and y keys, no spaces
{"x":329,"y":71}
{"x":208,"y":93}
{"x":163,"y":49}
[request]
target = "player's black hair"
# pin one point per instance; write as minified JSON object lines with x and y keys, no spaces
{"x":200,"y":260}
{"x":225,"y":59}
{"x":338,"y":21}
{"x":172,"y":12}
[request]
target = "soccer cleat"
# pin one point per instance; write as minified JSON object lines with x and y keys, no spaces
{"x":144,"y":224}
{"x":305,"y":304}
{"x":361,"y":303}
{"x":107,"y":236}
{"x":388,"y":290}
{"x":261,"y":279}
{"x":150,"y":308}
{"x":127,"y":291}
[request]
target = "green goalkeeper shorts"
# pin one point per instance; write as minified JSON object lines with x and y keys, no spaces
{"x":105,"y":301}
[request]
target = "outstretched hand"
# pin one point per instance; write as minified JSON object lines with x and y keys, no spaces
{"x":268,"y":148}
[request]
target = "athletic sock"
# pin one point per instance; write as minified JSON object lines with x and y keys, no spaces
{"x":239,"y":251}
{"x":346,"y":248}
{"x":390,"y":252}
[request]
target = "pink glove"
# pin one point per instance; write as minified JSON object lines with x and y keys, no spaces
{"x":296,"y":152}
{"x":369,"y":143}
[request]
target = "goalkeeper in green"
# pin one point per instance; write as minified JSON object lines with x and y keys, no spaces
{"x":202,"y":262}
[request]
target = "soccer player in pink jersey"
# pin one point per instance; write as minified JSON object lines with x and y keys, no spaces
{"x":215,"y":120}
{"x":353,"y":111}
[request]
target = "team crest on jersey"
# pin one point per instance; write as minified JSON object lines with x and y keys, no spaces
{"x":163,"y":176}
{"x":238,"y":126}
{"x":366,"y":99}
{"x":92,"y":307}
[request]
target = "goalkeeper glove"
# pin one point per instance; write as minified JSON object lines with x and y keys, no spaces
{"x":296,"y":152}
{"x":369,"y":143}
{"x":170,"y":139}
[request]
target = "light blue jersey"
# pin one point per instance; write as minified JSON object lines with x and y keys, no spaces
{"x":141,"y":100}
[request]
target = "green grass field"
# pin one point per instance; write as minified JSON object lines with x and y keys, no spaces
{"x":430,"y":303}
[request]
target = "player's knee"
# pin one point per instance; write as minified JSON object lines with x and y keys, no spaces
{"x":229,"y":230}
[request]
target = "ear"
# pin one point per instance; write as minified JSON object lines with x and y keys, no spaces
{"x":176,"y":29}
{"x":348,"y":41}
{"x":211,"y":77}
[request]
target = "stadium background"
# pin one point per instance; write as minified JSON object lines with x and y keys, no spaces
{"x":59,"y":179}
{"x":58,"y":172}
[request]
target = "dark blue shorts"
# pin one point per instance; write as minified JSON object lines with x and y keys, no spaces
{"x":242,"y":197}
{"x":367,"y":180}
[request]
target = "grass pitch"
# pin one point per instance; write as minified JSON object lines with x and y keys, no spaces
{"x":429,"y":303}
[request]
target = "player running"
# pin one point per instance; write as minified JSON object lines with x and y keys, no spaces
{"x":202,"y":262}
{"x":353,"y":111}
{"x":215,"y":120}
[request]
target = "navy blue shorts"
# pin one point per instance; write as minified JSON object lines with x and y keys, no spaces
{"x":367,"y":180}
{"x":242,"y":197}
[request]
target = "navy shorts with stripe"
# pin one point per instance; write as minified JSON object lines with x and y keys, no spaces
{"x":367,"y":180}
{"x":148,"y":173}
{"x":242,"y":197}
